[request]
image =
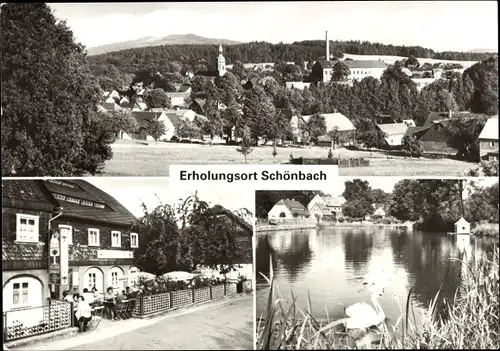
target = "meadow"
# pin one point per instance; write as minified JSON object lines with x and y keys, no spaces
{"x":134,"y":158}
{"x":471,"y":321}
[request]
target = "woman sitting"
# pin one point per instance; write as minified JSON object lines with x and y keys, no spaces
{"x":110,"y":302}
{"x":83,"y":313}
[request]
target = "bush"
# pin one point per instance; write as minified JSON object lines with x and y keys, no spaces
{"x":340,"y":219}
{"x":162,"y":285}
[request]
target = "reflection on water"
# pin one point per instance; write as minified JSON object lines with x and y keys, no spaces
{"x":330,"y":264}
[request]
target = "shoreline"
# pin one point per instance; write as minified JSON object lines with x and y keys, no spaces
{"x":303,"y":226}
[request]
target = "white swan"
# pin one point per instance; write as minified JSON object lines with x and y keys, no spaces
{"x":362,"y":315}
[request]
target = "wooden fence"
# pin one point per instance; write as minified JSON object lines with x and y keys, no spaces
{"x":164,"y":301}
{"x":30,"y":321}
{"x":341,"y":162}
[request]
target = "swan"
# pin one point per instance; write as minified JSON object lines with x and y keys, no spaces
{"x":362,"y":316}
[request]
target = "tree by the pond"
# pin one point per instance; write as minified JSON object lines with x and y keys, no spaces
{"x":44,"y":69}
{"x":156,"y":129}
{"x":358,"y":195}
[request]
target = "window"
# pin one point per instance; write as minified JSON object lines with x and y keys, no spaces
{"x":116,"y":239}
{"x":492,"y":144}
{"x":132,"y":276}
{"x":27,"y":228}
{"x":93,"y":237}
{"x":20,"y":294}
{"x":72,"y":199}
{"x":59,"y":197}
{"x":134,"y":240}
{"x":66,"y":232}
{"x":114,"y":279}
{"x":99,"y":205}
{"x":87,"y":203}
{"x":92,"y":280}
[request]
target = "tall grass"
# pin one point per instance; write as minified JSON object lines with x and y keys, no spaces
{"x":472,"y":320}
{"x":486,"y":229}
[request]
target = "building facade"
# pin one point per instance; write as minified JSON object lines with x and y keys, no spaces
{"x":488,"y":140}
{"x":287,"y":209}
{"x":101,"y":244}
{"x":26,"y":212}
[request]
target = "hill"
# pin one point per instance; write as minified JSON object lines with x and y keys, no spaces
{"x":176,"y":39}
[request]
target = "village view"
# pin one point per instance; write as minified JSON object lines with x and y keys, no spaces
{"x":371,"y":108}
{"x":424,"y":251}
{"x":81,"y":271}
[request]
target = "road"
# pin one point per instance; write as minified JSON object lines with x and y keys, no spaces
{"x":227,"y":326}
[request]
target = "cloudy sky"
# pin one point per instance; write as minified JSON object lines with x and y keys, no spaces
{"x":131,"y":192}
{"x":440,"y":25}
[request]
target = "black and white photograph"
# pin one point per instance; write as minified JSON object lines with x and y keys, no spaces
{"x":392,"y":88}
{"x":125,"y":264}
{"x":378,"y":263}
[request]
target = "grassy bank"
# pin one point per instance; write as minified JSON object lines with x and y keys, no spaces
{"x":472,"y":321}
{"x":486,"y":229}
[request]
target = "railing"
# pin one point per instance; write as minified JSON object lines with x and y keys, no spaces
{"x":149,"y":304}
{"x":30,"y":321}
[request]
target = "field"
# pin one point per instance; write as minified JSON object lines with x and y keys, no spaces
{"x":131,"y":158}
{"x":391,"y":59}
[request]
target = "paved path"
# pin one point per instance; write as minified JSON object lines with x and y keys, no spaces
{"x":222,"y":325}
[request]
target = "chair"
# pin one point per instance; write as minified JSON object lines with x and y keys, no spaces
{"x":96,"y":317}
{"x":122,"y":309}
{"x":131,"y":307}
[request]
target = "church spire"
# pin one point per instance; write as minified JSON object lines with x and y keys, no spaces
{"x":220,"y":49}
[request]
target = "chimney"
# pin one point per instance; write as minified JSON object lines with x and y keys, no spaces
{"x":327,"y":55}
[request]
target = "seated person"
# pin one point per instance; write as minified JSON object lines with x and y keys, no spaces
{"x":83,"y":313}
{"x":66,"y":296}
{"x":97,"y":296}
{"x":89,"y":297}
{"x":110,"y":302}
{"x":128,"y":292}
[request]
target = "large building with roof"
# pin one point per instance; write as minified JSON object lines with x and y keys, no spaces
{"x":96,"y":248}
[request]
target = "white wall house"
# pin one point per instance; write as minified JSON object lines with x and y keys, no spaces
{"x":279,"y":211}
{"x":362,"y":69}
{"x":315,"y":200}
{"x":288,"y":209}
{"x":393,"y":132}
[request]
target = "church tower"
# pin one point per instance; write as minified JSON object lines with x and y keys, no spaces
{"x":221,"y":63}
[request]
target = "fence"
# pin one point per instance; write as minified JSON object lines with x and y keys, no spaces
{"x":341,"y":162}
{"x":30,"y":321}
{"x":164,"y":301}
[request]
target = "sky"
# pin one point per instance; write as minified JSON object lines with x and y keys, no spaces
{"x":439,"y":25}
{"x":387,"y":184}
{"x":131,"y":192}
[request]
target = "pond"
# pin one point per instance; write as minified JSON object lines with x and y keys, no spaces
{"x":330,"y":264}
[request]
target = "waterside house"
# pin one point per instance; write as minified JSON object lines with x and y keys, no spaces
{"x":286,"y":209}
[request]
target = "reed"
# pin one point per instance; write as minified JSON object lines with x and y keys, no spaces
{"x":486,"y":229}
{"x":472,"y":320}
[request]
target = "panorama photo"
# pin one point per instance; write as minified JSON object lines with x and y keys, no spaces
{"x":129,"y":89}
{"x":378,"y":263}
{"x":114,"y":263}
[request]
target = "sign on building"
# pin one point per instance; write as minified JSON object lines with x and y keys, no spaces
{"x":114,"y":254}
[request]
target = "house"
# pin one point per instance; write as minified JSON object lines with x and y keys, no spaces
{"x":434,"y":137}
{"x":139,"y":106}
{"x":322,"y":212}
{"x":101,"y":245}
{"x":297,"y":85}
{"x":198,"y":105}
{"x":243,"y":232}
{"x":323,"y":69}
{"x":435,"y":117}
{"x":336,"y":121}
{"x":171,"y":122}
{"x":488,"y":140}
{"x":26,"y":211}
{"x":333,"y":204}
{"x":379,"y":212}
{"x":185,"y":88}
{"x":178,"y":98}
{"x":90,"y":240}
{"x":287,"y":209}
{"x":393,"y":132}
